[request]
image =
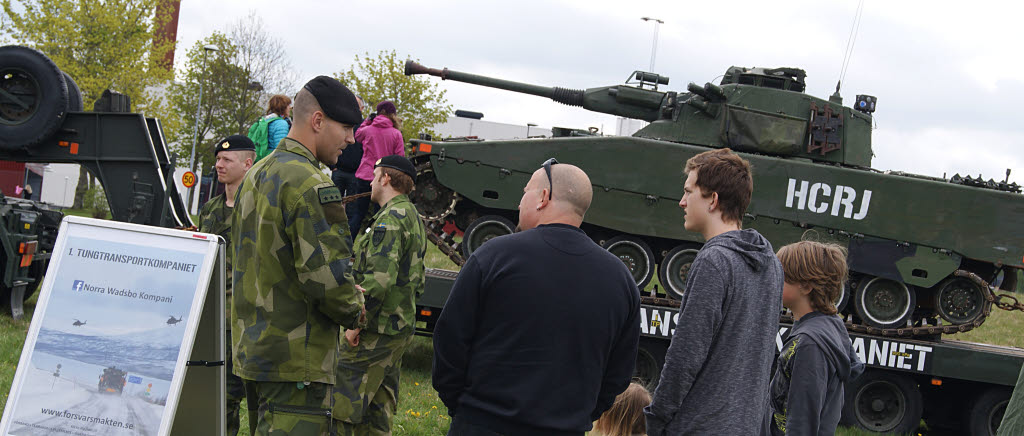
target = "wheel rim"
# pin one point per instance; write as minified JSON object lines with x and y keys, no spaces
{"x":880,"y":406}
{"x":995,"y":416}
{"x":484,"y":232}
{"x":19,"y":96}
{"x":677,"y":268}
{"x":433,"y":200}
{"x":635,"y":258}
{"x":646,"y":367}
{"x":885,"y":301}
{"x":960,"y":301}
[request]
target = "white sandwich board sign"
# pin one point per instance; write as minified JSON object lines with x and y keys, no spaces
{"x":123,"y":312}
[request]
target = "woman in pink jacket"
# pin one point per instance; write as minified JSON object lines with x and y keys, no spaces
{"x":380,"y":137}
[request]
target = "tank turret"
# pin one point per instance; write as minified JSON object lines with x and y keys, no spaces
{"x":759,"y":110}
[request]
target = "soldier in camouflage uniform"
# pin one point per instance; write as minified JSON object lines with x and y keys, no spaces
{"x":234,"y":156}
{"x":389,"y":267}
{"x":291,"y":265}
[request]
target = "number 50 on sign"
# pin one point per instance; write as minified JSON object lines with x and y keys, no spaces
{"x":188,"y":179}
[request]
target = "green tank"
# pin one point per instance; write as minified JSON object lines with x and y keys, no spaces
{"x":924,"y":252}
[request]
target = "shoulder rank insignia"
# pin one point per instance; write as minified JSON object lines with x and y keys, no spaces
{"x":378,"y":233}
{"x":329,"y":194}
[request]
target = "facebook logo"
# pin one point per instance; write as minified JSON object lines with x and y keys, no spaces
{"x":78,"y":285}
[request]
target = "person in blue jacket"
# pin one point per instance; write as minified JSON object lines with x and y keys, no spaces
{"x":279,"y":107}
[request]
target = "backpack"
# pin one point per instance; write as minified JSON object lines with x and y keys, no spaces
{"x":259,"y":133}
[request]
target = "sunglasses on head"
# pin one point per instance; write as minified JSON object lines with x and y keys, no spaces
{"x":547,"y":170}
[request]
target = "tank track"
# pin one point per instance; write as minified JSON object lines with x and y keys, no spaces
{"x":447,"y":244}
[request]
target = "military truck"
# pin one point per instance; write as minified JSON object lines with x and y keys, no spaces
{"x":28,"y":231}
{"x":112,"y":381}
{"x":41,"y":120}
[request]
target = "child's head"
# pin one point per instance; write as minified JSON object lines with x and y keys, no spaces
{"x":626,"y":416}
{"x":813,"y":271}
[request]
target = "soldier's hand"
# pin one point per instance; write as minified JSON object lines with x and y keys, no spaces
{"x":352,"y":337}
{"x":360,"y":289}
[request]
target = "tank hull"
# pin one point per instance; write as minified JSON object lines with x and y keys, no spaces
{"x":908,"y":228}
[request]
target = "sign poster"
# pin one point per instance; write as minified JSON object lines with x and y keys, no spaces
{"x":114,"y":327}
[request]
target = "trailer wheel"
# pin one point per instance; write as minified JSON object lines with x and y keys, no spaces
{"x":883,"y":403}
{"x":674,"y":268}
{"x":987,"y":411}
{"x":637,"y":256}
{"x":484,"y":229}
{"x":884,"y":303}
{"x":33,"y":97}
{"x":650,"y":358}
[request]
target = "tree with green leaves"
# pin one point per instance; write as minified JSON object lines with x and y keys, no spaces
{"x":101,"y":44}
{"x":421,"y":104}
{"x":238,"y":78}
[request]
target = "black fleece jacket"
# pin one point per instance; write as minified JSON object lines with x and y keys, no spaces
{"x":538,"y":335}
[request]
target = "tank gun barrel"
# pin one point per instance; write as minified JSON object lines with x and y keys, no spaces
{"x":625,"y":101}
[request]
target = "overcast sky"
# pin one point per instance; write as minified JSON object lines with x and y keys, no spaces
{"x":949,"y":76}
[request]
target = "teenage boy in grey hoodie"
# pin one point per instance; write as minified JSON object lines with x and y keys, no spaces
{"x":715,"y":378}
{"x":818,"y":358}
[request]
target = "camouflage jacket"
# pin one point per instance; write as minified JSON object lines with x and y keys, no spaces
{"x":291,"y":244}
{"x":215,"y":218}
{"x":389,"y":265}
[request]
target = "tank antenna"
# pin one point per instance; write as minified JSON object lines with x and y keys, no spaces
{"x":850,"y":43}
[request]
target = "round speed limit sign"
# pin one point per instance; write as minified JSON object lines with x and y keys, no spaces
{"x":188,"y":179}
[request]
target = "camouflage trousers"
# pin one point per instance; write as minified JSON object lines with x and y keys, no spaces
{"x":366,"y":393}
{"x":290,"y":408}
{"x":235,"y":391}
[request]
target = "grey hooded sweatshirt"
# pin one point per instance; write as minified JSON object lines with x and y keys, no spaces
{"x":715,"y":378}
{"x":813,"y":368}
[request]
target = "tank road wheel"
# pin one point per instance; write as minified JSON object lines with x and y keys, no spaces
{"x":433,"y":200}
{"x":987,"y":411}
{"x":484,"y":229}
{"x":673,"y":270}
{"x":33,"y":97}
{"x":883,"y":403}
{"x":959,"y":300}
{"x":884,"y":303}
{"x":637,"y":256}
{"x":844,"y":298}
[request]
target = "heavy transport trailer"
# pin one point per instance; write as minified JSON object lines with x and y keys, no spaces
{"x":960,"y":387}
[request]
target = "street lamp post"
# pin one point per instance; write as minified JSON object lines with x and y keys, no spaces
{"x":195,"y":135}
{"x":654,"y":44}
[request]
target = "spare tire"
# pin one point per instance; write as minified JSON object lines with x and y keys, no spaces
{"x":75,"y":103}
{"x":33,"y":97}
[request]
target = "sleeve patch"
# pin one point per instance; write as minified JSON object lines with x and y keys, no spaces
{"x":329,"y":195}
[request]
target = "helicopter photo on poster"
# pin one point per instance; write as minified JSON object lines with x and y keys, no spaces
{"x":110,"y":341}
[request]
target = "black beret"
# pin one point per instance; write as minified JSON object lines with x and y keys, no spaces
{"x":400,"y":163}
{"x":234,"y":143}
{"x":336,"y":100}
